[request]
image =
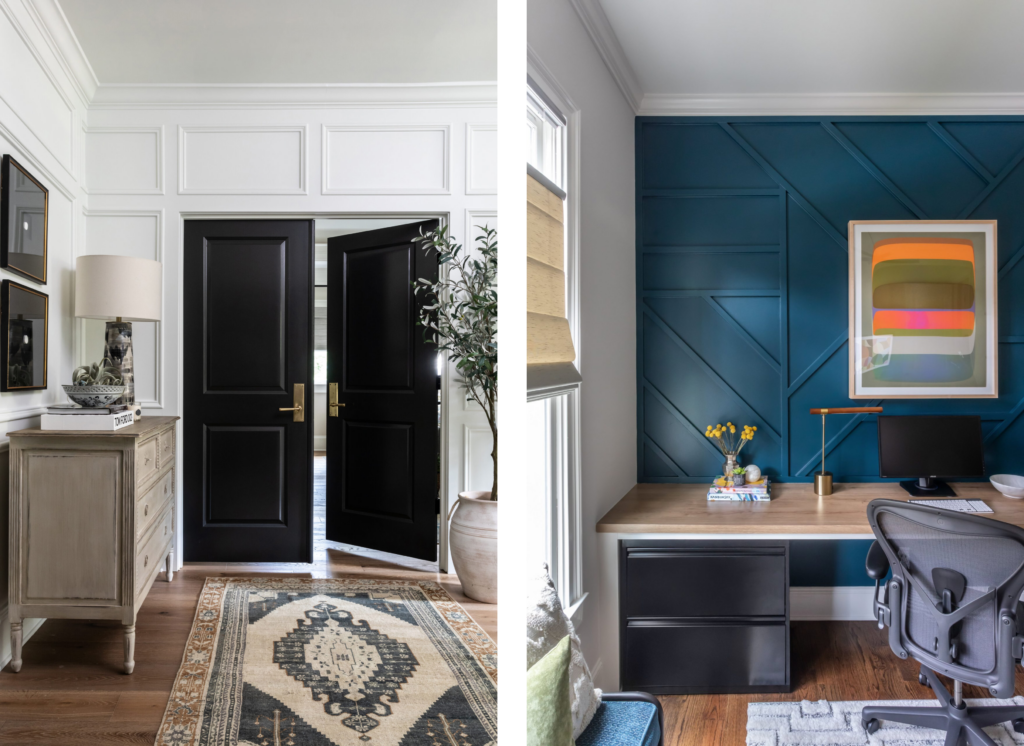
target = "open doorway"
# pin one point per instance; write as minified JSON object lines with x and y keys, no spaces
{"x":343,"y":239}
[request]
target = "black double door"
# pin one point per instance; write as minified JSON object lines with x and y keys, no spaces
{"x":248,"y":345}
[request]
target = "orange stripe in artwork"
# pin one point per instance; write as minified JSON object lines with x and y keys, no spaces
{"x":923,"y":248}
{"x":897,"y":319}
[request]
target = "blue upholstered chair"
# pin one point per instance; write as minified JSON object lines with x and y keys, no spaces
{"x":625,"y":719}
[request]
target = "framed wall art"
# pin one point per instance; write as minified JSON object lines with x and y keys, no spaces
{"x":24,"y":315}
{"x":24,"y":206}
{"x":923,"y":309}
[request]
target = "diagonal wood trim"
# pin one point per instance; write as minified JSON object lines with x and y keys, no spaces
{"x":660,"y":323}
{"x":674,"y":411}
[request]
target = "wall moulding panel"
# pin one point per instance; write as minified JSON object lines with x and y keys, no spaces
{"x":125,"y":160}
{"x":137,"y":233}
{"x":33,"y":92}
{"x":477,"y":456}
{"x":481,"y":158}
{"x":386,"y":159}
{"x":242,"y":159}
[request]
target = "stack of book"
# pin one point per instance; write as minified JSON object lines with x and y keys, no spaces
{"x":759,"y":491}
{"x":74,"y":417}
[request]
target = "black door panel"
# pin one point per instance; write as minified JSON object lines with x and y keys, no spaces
{"x":382,"y":446}
{"x":248,"y":339}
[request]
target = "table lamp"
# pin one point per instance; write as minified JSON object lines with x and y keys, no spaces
{"x":823,"y":479}
{"x":119,"y":289}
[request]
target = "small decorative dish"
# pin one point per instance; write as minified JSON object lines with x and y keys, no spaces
{"x":93,"y":396}
{"x":1009,"y":484}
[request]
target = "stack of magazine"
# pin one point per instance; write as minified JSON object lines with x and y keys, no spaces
{"x":74,"y":417}
{"x":759,"y":491}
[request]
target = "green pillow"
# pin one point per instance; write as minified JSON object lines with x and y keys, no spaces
{"x":548,"y":712}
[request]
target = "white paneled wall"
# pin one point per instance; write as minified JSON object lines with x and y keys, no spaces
{"x":386,"y":159}
{"x":41,"y":117}
{"x":273,"y":161}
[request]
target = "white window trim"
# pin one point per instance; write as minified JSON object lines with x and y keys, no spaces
{"x":572,"y":555}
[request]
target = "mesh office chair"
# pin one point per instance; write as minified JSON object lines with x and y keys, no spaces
{"x":951,"y":604}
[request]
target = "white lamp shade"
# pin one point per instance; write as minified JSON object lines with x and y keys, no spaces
{"x":108,"y":287}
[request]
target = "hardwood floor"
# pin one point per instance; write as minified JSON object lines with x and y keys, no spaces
{"x":71,"y":689}
{"x":830,"y":660}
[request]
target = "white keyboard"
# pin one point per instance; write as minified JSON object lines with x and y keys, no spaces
{"x":954,"y":503}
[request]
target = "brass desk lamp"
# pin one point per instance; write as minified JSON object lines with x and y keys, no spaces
{"x":823,"y":479}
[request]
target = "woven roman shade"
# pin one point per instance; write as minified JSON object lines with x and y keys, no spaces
{"x":549,"y":348}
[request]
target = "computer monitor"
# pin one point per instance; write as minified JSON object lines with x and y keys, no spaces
{"x":928,"y":449}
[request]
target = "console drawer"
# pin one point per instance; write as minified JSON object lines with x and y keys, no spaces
{"x":146,"y":460}
{"x":704,"y":581}
{"x":151,"y":549}
{"x":690,"y":658}
{"x":148,"y":508}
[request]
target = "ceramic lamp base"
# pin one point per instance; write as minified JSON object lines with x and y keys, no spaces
{"x":822,"y":483}
{"x":118,"y":349}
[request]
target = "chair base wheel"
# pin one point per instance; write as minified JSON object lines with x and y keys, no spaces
{"x":871,"y":726}
{"x":1018,"y":725}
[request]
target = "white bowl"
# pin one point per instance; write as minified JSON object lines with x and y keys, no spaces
{"x":1009,"y":484}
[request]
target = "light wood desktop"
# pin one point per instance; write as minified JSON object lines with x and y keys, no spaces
{"x":793,"y":509}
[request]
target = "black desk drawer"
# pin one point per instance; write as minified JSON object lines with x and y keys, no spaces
{"x":711,"y":581}
{"x":693,"y":658}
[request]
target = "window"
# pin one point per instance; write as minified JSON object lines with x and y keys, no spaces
{"x":553,"y":489}
{"x":545,"y":133}
{"x":553,"y":410}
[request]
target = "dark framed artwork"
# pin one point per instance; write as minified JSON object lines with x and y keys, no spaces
{"x":24,"y":315}
{"x":24,"y":208}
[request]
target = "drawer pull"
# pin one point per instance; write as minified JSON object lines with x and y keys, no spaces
{"x":165,"y":489}
{"x":145,"y":562}
{"x":146,"y":463}
{"x":145,"y":512}
{"x":165,"y":530}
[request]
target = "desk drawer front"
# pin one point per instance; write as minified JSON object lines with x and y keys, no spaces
{"x":166,"y":444}
{"x":665,"y":658}
{"x":704,"y":582}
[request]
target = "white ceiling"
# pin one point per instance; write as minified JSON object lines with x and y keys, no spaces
{"x":199,"y":42}
{"x":706,"y":47}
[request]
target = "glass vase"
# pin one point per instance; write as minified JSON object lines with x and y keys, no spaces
{"x":729,"y":465}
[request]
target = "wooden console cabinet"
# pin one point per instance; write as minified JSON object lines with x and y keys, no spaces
{"x":91,"y":524}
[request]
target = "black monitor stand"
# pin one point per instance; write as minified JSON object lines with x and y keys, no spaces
{"x":928,"y":487}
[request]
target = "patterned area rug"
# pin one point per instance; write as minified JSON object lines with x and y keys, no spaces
{"x":306,"y":662}
{"x":825,"y":723}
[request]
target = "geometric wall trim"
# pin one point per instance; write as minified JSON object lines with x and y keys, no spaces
{"x":742,"y":279}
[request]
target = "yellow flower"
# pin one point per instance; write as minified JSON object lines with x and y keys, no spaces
{"x":754,"y":428}
{"x":732,"y":429}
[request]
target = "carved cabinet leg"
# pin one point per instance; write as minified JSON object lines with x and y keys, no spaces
{"x":170,"y":566}
{"x":16,"y":646}
{"x":129,"y":648}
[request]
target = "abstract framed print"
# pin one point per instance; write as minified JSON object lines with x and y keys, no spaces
{"x":923,"y":309}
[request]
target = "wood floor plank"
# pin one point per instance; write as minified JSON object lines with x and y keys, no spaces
{"x":71,"y":733}
{"x":838,"y":661}
{"x":140,"y":707}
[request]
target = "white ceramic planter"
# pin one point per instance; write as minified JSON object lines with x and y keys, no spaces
{"x":473,"y":538}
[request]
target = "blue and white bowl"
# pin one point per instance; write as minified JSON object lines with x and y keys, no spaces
{"x":93,"y":396}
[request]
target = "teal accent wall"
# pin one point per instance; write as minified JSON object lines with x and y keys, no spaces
{"x":741,"y":271}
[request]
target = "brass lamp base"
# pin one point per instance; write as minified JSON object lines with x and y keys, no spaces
{"x":822,"y":483}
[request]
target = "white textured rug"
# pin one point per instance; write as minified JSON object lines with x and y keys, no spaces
{"x":825,"y":723}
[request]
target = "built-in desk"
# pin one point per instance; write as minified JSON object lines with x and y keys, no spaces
{"x":721,"y":569}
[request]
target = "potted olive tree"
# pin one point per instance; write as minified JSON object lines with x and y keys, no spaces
{"x":460,"y":316}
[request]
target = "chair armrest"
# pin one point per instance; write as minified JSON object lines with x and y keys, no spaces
{"x":639,"y":697}
{"x":877,"y":564}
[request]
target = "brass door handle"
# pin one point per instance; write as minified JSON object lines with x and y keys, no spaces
{"x":332,"y":400}
{"x":298,"y":397}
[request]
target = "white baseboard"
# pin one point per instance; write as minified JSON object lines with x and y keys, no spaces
{"x":841,"y":603}
{"x":29,"y":629}
{"x":319,"y":442}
